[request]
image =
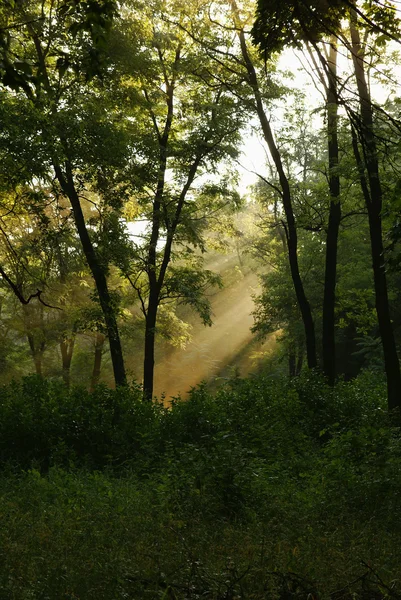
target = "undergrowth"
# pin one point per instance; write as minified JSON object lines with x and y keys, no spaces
{"x":267,"y":489}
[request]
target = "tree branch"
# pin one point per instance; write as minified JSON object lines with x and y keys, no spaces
{"x":17,"y":292}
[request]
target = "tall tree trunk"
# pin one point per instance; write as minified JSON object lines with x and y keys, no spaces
{"x":374,"y":198}
{"x":300,"y":360}
{"x":97,"y":362}
{"x":66,"y":180}
{"x":292,"y":365}
{"x":149,"y":358}
{"x":157,"y":273}
{"x":67,"y":349}
{"x":67,"y":185}
{"x":153,"y":301}
{"x":38,"y":359}
{"x":37,"y":343}
{"x":291,"y":230}
{"x":37,"y":354}
{"x":329,"y":297}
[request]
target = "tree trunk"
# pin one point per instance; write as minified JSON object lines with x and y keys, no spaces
{"x":300,"y":361}
{"x":292,"y":363}
{"x":97,"y":363}
{"x":149,"y":358}
{"x":37,"y":359}
{"x":374,"y":197}
{"x":37,"y":355}
{"x":156,"y":274}
{"x":67,"y":349}
{"x":37,"y":343}
{"x":98,"y":273}
{"x":329,"y":297}
{"x":291,"y":231}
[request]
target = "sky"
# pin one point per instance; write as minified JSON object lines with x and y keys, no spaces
{"x":253,"y":158}
{"x":253,"y":152}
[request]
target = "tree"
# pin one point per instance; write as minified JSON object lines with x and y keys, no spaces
{"x":190,"y":127}
{"x":40,"y":252}
{"x":363,"y":128}
{"x":250,"y":76}
{"x":311,"y":22}
{"x":329,"y":299}
{"x":48,"y":59}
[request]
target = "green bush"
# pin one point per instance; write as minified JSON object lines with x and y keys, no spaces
{"x":44,"y":424}
{"x":266,"y":489}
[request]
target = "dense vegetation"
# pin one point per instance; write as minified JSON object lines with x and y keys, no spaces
{"x":271,"y":488}
{"x":121,"y":142}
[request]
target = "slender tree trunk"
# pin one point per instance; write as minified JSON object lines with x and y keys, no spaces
{"x":157,"y":273}
{"x":300,"y":360}
{"x":149,"y":357}
{"x":37,"y":354}
{"x":292,"y":365}
{"x":329,"y":297}
{"x":291,"y":231}
{"x":37,"y":359}
{"x":374,"y":197}
{"x":67,"y":349}
{"x":156,"y":281}
{"x":98,"y":273}
{"x":97,"y":362}
{"x":37,"y":344}
{"x":153,"y":301}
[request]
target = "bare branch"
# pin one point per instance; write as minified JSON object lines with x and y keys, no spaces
{"x":15,"y":288}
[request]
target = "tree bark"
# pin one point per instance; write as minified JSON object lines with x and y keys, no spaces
{"x":67,"y":185}
{"x":371,"y":187}
{"x":37,"y":344}
{"x":67,"y":349}
{"x":300,"y":360}
{"x":329,"y":296}
{"x":151,"y":266}
{"x":37,"y":354}
{"x":291,"y":230}
{"x":149,"y":358}
{"x":97,"y":362}
{"x":292,"y":365}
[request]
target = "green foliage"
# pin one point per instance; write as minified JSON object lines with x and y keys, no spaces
{"x":276,"y":485}
{"x":279,"y":24}
{"x":282,"y":24}
{"x":188,"y":285}
{"x":78,"y":30}
{"x":271,"y":488}
{"x":44,"y":424}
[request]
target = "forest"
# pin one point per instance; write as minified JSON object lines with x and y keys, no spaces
{"x":200,"y":300}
